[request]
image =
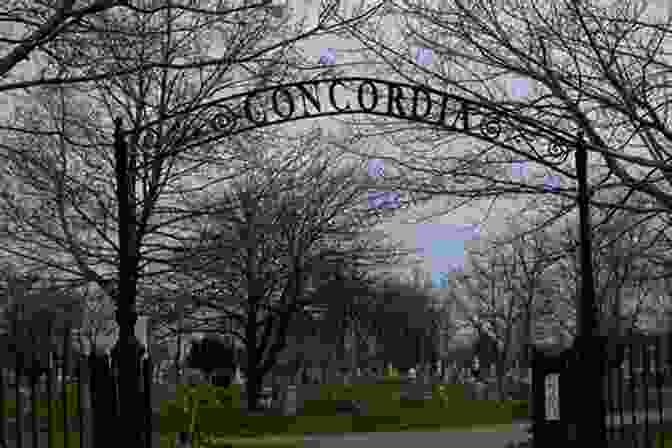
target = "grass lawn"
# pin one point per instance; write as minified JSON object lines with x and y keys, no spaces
{"x":448,"y":409}
{"x":667,"y":440}
{"x":219,"y":415}
{"x":168,"y":441}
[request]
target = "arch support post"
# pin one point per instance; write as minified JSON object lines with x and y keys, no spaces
{"x":587,"y":369}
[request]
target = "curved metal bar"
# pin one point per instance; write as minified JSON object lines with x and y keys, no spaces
{"x":225,"y":117}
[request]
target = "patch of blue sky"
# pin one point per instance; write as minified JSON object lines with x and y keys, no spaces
{"x":443,"y":245}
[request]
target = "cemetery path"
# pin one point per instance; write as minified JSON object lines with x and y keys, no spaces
{"x":485,"y":437}
{"x":479,"y":437}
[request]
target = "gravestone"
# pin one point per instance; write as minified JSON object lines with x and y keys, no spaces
{"x":412,"y":374}
{"x":290,"y":401}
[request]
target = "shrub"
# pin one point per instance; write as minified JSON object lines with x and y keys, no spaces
{"x":316,"y":424}
{"x":218,"y":409}
{"x":392,"y":381}
{"x":211,"y":395}
{"x":373,"y":423}
{"x":211,"y":354}
{"x":391,"y":372}
{"x":319,"y":407}
{"x":520,"y":409}
{"x":444,"y":395}
{"x":408,"y":403}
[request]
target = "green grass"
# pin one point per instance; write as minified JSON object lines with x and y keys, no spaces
{"x":667,"y":440}
{"x":168,"y":441}
{"x":219,"y":415}
{"x":449,"y":409}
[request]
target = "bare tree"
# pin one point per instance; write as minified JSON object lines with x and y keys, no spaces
{"x":98,"y":325}
{"x":537,"y":76}
{"x":627,"y":272}
{"x":491,"y":306}
{"x":339,"y":316}
{"x":61,"y":38}
{"x":525,"y":281}
{"x":152,"y":70}
{"x":33,"y":26}
{"x":402,"y":313}
{"x":253,"y":262}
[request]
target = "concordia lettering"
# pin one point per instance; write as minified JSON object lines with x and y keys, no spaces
{"x":349,"y":95}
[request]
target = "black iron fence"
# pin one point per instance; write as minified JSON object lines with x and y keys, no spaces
{"x":637,"y":392}
{"x":64,"y":395}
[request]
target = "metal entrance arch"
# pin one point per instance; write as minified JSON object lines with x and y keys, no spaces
{"x":285,"y":103}
{"x":279,"y":104}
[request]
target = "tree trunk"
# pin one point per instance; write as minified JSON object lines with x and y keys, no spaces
{"x":527,"y":336}
{"x":252,"y":373}
{"x":178,"y":354}
{"x":501,"y":372}
{"x":102,"y":400}
{"x":253,"y":389}
{"x":125,"y":314}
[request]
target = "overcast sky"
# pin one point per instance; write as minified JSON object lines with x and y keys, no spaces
{"x":441,"y":240}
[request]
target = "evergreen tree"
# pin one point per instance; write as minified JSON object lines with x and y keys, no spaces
{"x":210,"y":355}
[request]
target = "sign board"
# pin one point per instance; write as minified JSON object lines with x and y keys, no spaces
{"x":552,"y":396}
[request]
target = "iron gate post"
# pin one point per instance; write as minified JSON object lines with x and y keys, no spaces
{"x":591,"y":423}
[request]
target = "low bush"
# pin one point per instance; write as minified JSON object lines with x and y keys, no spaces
{"x":319,"y":424}
{"x":520,"y":409}
{"x":211,"y":395}
{"x":393,"y":381}
{"x":409,"y":403}
{"x":218,"y":410}
{"x":319,"y":407}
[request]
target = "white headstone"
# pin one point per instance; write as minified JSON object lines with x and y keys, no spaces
{"x":238,"y":378}
{"x":625,"y":366}
{"x":290,"y":404}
